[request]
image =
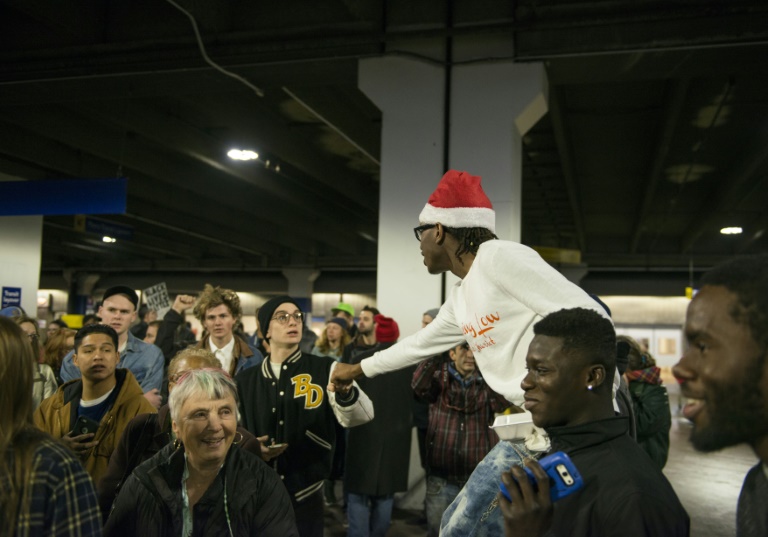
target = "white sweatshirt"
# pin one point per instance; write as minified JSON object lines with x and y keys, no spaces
{"x":508,"y":288}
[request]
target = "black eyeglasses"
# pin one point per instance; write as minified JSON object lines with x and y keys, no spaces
{"x":419,"y":230}
{"x":283,"y":317}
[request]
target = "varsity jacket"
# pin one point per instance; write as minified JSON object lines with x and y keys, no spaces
{"x":58,"y":413}
{"x":296,"y":409}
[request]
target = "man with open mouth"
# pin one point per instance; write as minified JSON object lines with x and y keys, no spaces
{"x":723,"y":374}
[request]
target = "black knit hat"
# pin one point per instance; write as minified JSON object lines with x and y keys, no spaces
{"x":267,"y":311}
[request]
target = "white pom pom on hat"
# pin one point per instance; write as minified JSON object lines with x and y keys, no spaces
{"x":459,"y":201}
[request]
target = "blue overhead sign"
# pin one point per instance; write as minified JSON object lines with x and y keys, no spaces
{"x":70,"y":196}
{"x":102,"y":227}
{"x":11,"y":297}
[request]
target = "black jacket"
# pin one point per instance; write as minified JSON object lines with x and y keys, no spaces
{"x":624,"y":494}
{"x":378,"y":453}
{"x":653,"y":419}
{"x":150,"y":504}
{"x":147,"y":433}
{"x":294,"y":409}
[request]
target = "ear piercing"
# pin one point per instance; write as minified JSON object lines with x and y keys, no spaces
{"x":589,"y":387}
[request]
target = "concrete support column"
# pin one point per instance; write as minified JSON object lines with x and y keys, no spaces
{"x":21,"y":239}
{"x":492,"y":106}
{"x":410,"y":95}
{"x":81,"y":286}
{"x":300,"y":286}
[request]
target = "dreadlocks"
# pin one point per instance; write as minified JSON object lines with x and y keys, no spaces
{"x":470,"y":239}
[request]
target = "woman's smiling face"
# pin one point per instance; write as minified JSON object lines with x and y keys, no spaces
{"x":207,"y":428}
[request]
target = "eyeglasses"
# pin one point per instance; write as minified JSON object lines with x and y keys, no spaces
{"x":283,"y":317}
{"x":32,"y":336}
{"x":419,"y":230}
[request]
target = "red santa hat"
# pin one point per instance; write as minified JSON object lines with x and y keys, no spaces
{"x":459,"y":201}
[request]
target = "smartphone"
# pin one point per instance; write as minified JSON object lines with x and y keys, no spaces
{"x":84,"y":425}
{"x":564,"y":478}
{"x":275,"y":446}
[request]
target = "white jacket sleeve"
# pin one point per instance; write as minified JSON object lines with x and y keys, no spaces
{"x":358,"y":413}
{"x":443,"y":333}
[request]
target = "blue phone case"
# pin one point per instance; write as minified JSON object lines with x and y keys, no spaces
{"x":564,"y":478}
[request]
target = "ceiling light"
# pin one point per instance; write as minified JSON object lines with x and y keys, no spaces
{"x":242,"y":154}
{"x":108,"y":239}
{"x":731,"y":230}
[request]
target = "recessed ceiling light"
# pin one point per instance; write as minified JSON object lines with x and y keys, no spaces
{"x":242,"y":154}
{"x":108,"y":239}
{"x":731,"y":230}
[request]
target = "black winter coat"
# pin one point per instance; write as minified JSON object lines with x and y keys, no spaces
{"x":624,"y":495}
{"x":379,"y":452}
{"x":653,"y":419}
{"x":150,"y":504}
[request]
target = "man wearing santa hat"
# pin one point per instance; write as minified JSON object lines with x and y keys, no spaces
{"x":505,"y":289}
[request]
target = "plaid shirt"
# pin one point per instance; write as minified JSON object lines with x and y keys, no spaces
{"x":62,"y":499}
{"x":460,"y":413}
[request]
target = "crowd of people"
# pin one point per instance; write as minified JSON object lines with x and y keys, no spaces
{"x":130,"y":426}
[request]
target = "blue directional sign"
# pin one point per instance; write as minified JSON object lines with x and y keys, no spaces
{"x":60,"y":197}
{"x":11,"y":296}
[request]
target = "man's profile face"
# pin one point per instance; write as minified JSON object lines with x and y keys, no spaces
{"x":365,"y":324}
{"x":219,"y":322}
{"x":552,"y":388}
{"x":435,"y":257}
{"x":96,"y":357}
{"x":723,"y":371}
{"x":118,"y":312}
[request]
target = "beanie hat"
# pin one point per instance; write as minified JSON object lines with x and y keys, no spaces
{"x":341,"y":322}
{"x":459,"y":201}
{"x":386,"y":329}
{"x":432,"y":313}
{"x":267,"y":311}
{"x":343,"y":306}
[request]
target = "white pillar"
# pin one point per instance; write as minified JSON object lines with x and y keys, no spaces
{"x":410,"y":95}
{"x":492,"y":106}
{"x":21,"y":239}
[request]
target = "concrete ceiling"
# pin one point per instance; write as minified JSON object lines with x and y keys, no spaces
{"x":656,"y":137}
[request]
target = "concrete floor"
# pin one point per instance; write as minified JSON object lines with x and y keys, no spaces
{"x":708,"y":486}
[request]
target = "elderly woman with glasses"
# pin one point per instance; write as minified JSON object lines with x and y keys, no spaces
{"x":203,"y":483}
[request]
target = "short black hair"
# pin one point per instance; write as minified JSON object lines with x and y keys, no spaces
{"x":90,"y":318}
{"x":470,"y":238}
{"x":95,"y":329}
{"x":747,"y":278}
{"x":371,"y":309}
{"x":59,"y":322}
{"x":585,"y":333}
